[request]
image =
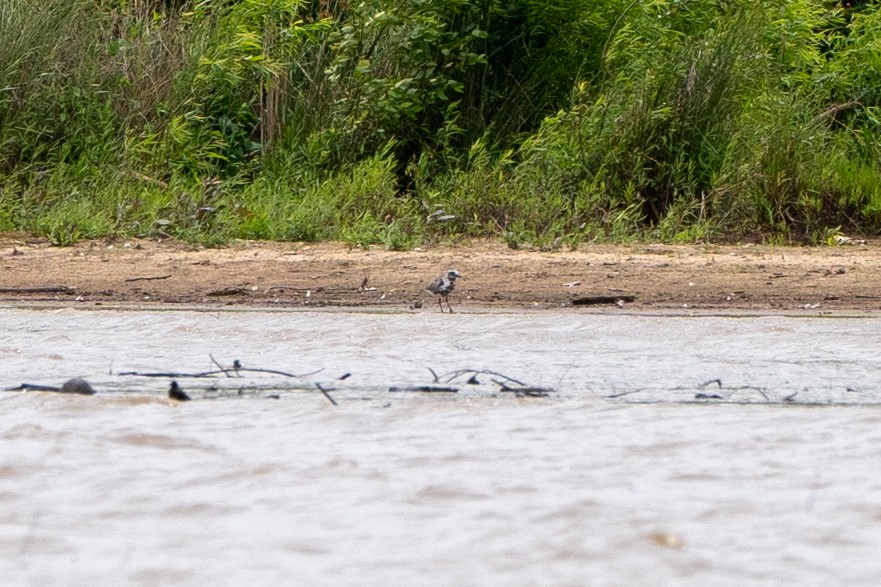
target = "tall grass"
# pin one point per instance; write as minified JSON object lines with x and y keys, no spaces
{"x":403,"y":121}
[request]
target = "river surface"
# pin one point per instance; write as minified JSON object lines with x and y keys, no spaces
{"x":662,"y":450}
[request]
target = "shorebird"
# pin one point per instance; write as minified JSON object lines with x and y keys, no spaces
{"x":175,"y":392}
{"x":443,"y":286}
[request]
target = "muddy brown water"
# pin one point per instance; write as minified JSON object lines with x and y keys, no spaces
{"x":478,"y":487}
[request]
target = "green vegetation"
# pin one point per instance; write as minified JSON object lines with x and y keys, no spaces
{"x":404,"y":121}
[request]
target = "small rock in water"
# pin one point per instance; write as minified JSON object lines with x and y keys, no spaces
{"x":175,"y":392}
{"x":77,"y":385}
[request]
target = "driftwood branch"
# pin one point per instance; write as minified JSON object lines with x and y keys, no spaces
{"x":148,"y":278}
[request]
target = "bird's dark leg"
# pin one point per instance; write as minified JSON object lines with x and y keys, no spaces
{"x":440,"y":303}
{"x":447,"y":297}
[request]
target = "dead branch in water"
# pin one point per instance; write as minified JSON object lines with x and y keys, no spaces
{"x":700,"y":396}
{"x":214,"y":373}
{"x":454,"y":374}
{"x":733,"y":390}
{"x":750,"y":388}
{"x":282,"y":373}
{"x":788,"y":401}
{"x":519,"y":388}
{"x":167,"y":374}
{"x":623,"y":393}
{"x":425,"y":389}
{"x":326,"y":393}
{"x":237,"y":367}
{"x":524,"y":391}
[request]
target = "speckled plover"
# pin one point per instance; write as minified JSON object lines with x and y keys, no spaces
{"x":443,"y":286}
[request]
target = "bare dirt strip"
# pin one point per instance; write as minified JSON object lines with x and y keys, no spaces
{"x":260,"y":274}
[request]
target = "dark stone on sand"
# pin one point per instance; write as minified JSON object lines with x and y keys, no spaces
{"x":77,"y":385}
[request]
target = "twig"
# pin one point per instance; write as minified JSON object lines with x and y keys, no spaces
{"x":276,"y":372}
{"x":623,"y":393}
{"x":213,"y":360}
{"x":325,"y":392}
{"x":502,"y":385}
{"x":433,"y":374}
{"x":425,"y":389}
{"x":147,"y":278}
